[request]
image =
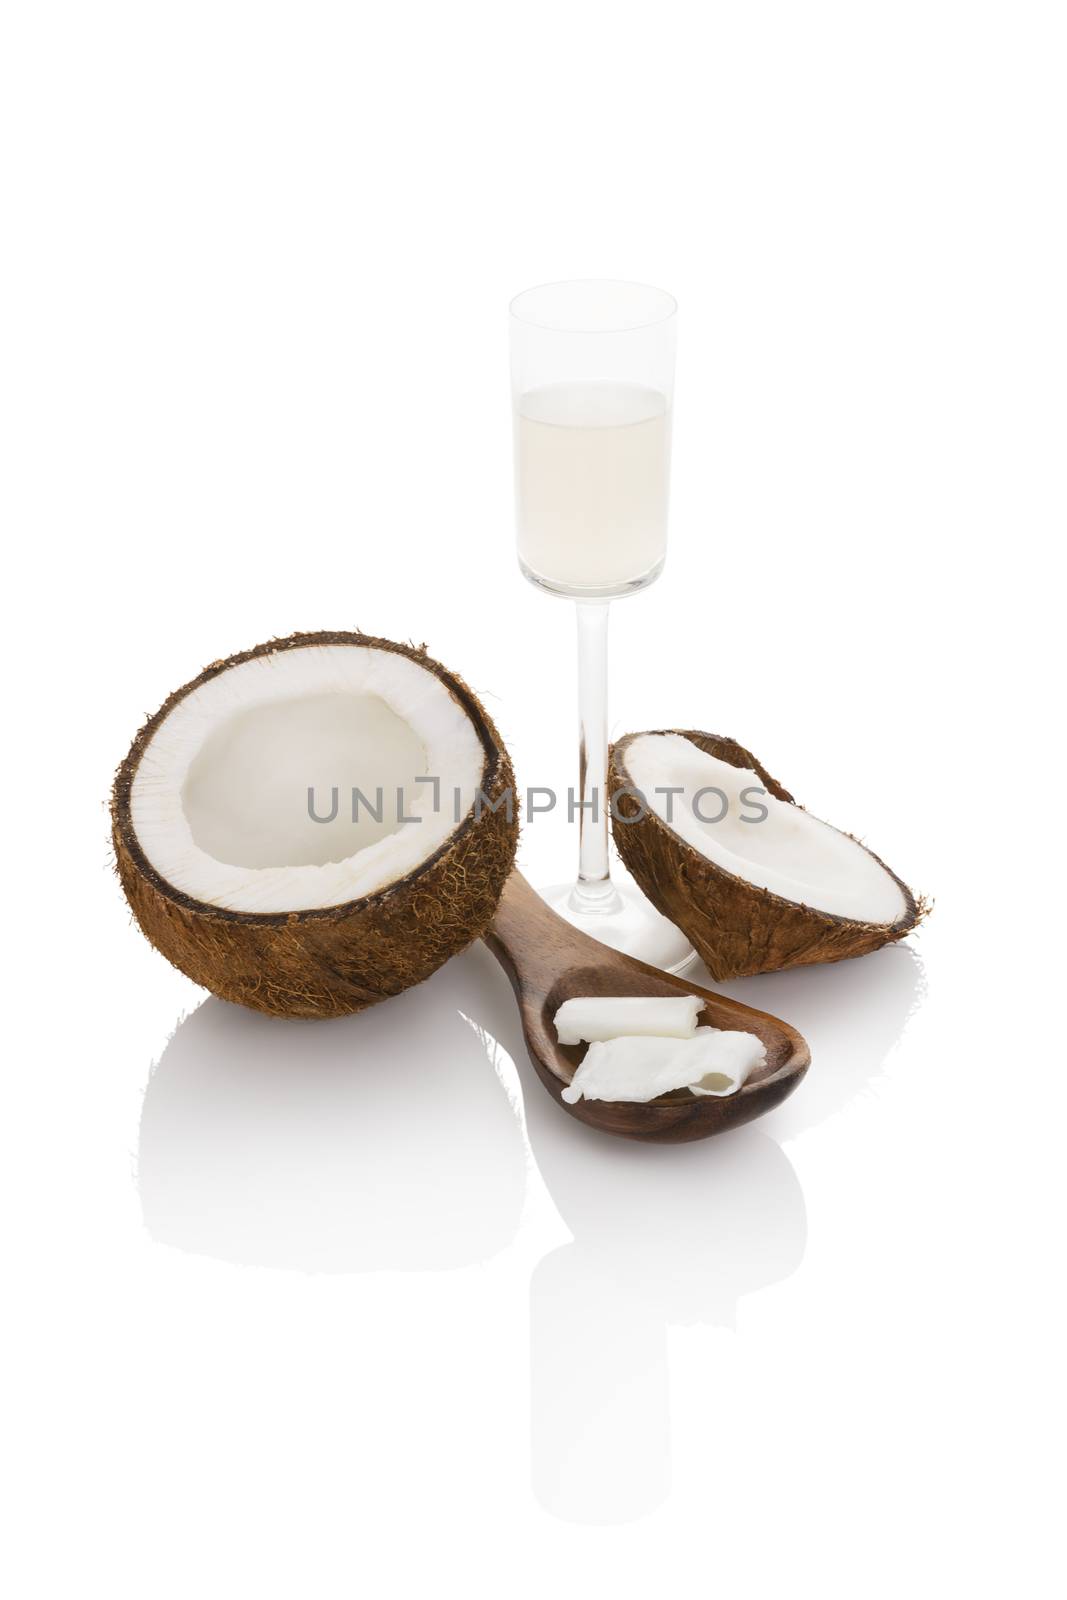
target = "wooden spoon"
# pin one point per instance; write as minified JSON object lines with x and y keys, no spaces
{"x":548,"y":962}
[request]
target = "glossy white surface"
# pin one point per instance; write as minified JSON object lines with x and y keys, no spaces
{"x":352,"y":1308}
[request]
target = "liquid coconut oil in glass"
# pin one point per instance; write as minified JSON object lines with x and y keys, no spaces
{"x":592,"y":469}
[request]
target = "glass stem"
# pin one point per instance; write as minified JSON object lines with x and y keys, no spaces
{"x":594,"y":890}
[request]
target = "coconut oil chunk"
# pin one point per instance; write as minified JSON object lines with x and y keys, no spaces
{"x":711,"y":1062}
{"x":597,"y":1018}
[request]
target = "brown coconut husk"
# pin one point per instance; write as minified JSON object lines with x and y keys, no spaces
{"x":737,"y":928}
{"x":333,"y":961}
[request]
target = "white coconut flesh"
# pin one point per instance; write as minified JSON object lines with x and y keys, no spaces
{"x":790,"y":852}
{"x":594,"y":1018}
{"x":638,"y":1068}
{"x":219,"y":802}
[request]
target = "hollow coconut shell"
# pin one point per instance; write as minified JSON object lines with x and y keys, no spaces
{"x":339,"y":959}
{"x":736,"y":927}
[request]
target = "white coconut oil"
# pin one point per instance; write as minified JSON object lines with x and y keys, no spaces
{"x":592,"y":468}
{"x":585,"y":1021}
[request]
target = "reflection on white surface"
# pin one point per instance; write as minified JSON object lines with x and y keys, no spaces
{"x":674,"y":1235}
{"x":852,"y":1013}
{"x":388,"y":1140}
{"x":384,"y":1140}
{"x":663,"y":1236}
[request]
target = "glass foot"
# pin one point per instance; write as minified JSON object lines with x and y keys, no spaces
{"x":619,"y":915}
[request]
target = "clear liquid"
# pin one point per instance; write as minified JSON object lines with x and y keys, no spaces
{"x":592,"y":465}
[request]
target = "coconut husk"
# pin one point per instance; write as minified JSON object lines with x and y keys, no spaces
{"x":332,"y":961}
{"x":736,"y":927}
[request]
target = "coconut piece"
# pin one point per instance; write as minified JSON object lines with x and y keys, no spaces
{"x":599,"y":1017}
{"x":737,"y":1055}
{"x":641,"y":1068}
{"x":752,"y":895}
{"x":230,"y":872}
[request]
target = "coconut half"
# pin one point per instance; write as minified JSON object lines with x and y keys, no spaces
{"x":316,"y":824}
{"x":753,"y":893}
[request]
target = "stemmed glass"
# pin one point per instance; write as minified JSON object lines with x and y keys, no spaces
{"x":592,"y":375}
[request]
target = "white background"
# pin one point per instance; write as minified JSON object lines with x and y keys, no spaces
{"x":351,"y":1308}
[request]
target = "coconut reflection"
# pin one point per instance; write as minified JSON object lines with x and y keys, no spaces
{"x":384,"y":1140}
{"x":852,"y":1014}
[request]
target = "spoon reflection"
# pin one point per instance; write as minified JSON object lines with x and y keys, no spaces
{"x":674,"y":1236}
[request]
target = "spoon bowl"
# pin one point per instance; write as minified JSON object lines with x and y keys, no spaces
{"x":548,"y":962}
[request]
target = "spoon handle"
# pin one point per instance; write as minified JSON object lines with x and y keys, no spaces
{"x":527,"y":937}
